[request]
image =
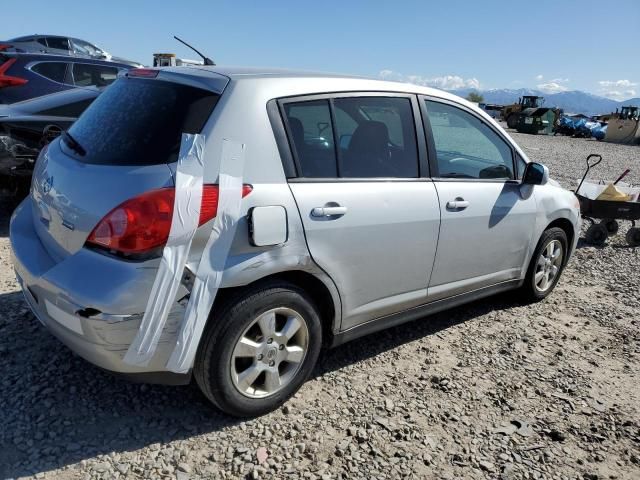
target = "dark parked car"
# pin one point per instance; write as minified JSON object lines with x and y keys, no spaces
{"x":28,"y":75}
{"x":61,"y":45}
{"x":26,"y":127}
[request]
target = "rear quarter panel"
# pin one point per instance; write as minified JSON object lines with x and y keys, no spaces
{"x":241,"y":116}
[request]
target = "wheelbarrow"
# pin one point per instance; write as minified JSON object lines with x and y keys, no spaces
{"x":608,"y":212}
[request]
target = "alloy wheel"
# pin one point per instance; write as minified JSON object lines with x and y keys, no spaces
{"x":548,"y":266}
{"x":269,"y":353}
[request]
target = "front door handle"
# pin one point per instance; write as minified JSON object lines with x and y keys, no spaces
{"x":328,"y":211}
{"x":457,"y":204}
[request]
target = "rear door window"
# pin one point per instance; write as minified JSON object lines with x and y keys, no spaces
{"x":377,"y":137}
{"x":87,"y":75}
{"x":52,"y":70}
{"x":140,"y":122}
{"x":58,"y":42}
{"x":354,"y":137}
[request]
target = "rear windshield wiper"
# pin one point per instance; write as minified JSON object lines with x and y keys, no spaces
{"x":73,"y":144}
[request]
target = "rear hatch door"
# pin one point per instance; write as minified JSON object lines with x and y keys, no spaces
{"x":120,"y":147}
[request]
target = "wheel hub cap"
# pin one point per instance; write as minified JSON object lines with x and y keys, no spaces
{"x":548,"y":265}
{"x":269,"y":353}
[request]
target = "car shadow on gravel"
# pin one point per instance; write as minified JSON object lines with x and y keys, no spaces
{"x":380,"y":342}
{"x":58,"y":410}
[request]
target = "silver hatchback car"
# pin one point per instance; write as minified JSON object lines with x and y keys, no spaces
{"x":366,"y":204}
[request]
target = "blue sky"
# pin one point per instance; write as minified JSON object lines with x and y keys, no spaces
{"x":551,"y":45}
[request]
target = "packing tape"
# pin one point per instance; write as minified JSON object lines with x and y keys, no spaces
{"x":211,"y":267}
{"x":186,"y":215}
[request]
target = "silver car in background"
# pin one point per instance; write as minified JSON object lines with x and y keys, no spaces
{"x":61,"y":45}
{"x":367,"y":204}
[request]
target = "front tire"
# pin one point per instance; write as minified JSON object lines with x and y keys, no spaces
{"x":546,"y":265}
{"x":512,"y":120}
{"x":258,"y":349}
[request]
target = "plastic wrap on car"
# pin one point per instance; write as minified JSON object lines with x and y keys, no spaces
{"x":210,"y":269}
{"x":184,"y":223}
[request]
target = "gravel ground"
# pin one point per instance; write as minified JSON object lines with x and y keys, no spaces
{"x":489,"y":390}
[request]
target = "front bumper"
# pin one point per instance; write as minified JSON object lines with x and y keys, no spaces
{"x":75,"y":299}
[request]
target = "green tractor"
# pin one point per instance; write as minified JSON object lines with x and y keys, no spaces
{"x":511,"y":113}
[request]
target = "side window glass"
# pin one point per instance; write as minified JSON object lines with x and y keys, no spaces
{"x":85,"y":48}
{"x":377,"y":137}
{"x":85,"y":75}
{"x":57,"y":42}
{"x":41,"y":41}
{"x":310,"y":131}
{"x":52,"y":70}
{"x":466,"y":147}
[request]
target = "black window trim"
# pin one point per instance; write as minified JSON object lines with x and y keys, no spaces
{"x":433,"y":159}
{"x":289,"y":156}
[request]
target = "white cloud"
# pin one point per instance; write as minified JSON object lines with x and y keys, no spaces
{"x":617,"y":83}
{"x":617,"y":89}
{"x":539,"y":77}
{"x":387,"y":74}
{"x":552,"y":87}
{"x":445,"y":82}
{"x":555,"y":85}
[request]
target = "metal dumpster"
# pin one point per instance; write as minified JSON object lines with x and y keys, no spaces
{"x":537,"y":121}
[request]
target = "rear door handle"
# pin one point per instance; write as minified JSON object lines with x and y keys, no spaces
{"x":328,"y":211}
{"x":457,"y":204}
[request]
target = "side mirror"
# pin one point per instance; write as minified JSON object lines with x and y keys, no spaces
{"x":535,"y":174}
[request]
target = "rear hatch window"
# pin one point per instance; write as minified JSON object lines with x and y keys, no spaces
{"x":139,"y":122}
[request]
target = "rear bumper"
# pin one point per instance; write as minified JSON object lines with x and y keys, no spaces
{"x":57,"y":292}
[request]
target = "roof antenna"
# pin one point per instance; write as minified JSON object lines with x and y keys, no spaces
{"x":207,"y":60}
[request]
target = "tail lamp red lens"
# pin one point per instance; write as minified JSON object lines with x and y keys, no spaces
{"x":142,"y":223}
{"x":8,"y":80}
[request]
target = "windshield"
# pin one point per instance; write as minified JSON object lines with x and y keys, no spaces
{"x":139,"y":122}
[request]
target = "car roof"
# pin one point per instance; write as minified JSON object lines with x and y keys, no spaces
{"x":33,"y":56}
{"x":317,"y":82}
{"x":35,"y":35}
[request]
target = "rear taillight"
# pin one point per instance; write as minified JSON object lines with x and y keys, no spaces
{"x":5,"y":46}
{"x":7,"y":80}
{"x":142,"y":223}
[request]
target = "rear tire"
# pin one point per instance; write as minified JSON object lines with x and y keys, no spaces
{"x":597,"y":234}
{"x":546,"y":265}
{"x":633,"y":237}
{"x":258,"y":349}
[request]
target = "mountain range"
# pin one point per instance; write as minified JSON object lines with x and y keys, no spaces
{"x":571,"y":101}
